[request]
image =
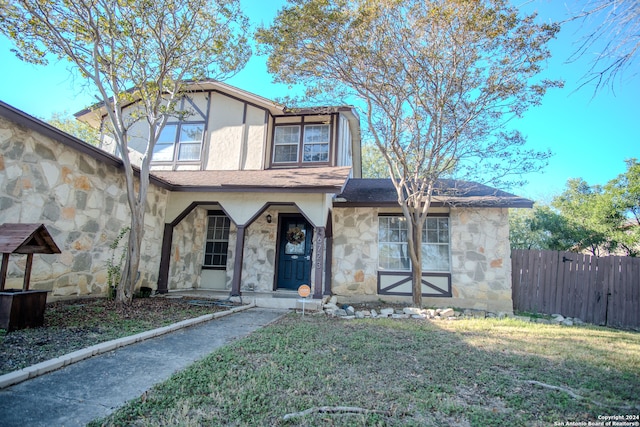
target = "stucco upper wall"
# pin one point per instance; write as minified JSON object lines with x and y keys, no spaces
{"x":237,"y":135}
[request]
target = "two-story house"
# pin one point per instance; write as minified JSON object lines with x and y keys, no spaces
{"x":250,"y":197}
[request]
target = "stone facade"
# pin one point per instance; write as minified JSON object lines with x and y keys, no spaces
{"x":479,"y":281}
{"x":83,"y":204}
{"x":187,"y":251}
{"x":258,"y":265}
{"x":355,"y":251}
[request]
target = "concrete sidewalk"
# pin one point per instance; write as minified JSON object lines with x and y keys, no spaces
{"x":97,"y":386}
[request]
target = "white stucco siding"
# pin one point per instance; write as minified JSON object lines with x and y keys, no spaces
{"x":255,"y":139}
{"x":242,"y":206}
{"x":225,"y":133}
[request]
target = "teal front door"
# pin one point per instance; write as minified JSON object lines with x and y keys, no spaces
{"x":294,"y":252}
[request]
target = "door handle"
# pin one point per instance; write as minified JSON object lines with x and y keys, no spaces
{"x":308,"y":257}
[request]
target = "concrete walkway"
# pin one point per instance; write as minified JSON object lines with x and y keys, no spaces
{"x":97,"y":386}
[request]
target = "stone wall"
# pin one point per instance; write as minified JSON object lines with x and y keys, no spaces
{"x":355,"y":252}
{"x":187,"y":251}
{"x":83,"y":204}
{"x":481,"y":265}
{"x":258,"y":266}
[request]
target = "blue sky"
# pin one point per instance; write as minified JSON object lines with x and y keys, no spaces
{"x":590,"y":136}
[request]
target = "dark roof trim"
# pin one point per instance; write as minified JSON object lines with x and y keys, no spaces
{"x":448,"y":193}
{"x":251,"y":189}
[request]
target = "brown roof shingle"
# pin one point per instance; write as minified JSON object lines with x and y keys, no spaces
{"x":381,"y":192}
{"x":314,"y":180}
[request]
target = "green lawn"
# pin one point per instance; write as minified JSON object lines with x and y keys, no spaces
{"x":404,"y":372}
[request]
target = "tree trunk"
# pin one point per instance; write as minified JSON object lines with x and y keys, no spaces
{"x":416,"y":264}
{"x":137,"y":205}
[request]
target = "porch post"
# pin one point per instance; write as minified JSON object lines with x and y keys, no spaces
{"x":165,"y":259}
{"x":318,"y":253}
{"x":237,"y":263}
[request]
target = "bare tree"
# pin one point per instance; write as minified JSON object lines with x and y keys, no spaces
{"x":138,"y":51}
{"x":613,"y":38}
{"x":437,"y":81}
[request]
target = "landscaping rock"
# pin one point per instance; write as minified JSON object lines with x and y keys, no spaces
{"x":386,"y":312}
{"x":399,"y":316}
{"x":374,"y":313}
{"x":340,"y":312}
{"x":350,"y":310}
{"x":447,"y":312}
{"x":412,"y":310}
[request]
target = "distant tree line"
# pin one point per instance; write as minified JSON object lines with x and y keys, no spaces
{"x":600,"y":220}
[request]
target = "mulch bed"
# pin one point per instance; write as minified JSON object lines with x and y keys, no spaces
{"x":73,"y":325}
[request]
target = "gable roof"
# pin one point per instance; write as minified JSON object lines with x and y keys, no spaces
{"x":307,"y":180}
{"x":26,"y":239}
{"x":380,"y":192}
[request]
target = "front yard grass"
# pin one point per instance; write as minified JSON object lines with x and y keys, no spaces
{"x":405,"y":372}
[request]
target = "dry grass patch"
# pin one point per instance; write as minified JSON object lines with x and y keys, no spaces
{"x":402,"y":372}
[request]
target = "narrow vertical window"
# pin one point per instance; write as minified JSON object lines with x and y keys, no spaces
{"x":217,"y":244}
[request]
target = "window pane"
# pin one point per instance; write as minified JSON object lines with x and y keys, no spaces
{"x":316,"y":153}
{"x":316,"y":143}
{"x":287,"y":135}
{"x":217,"y":244}
{"x":286,"y":141}
{"x":190,"y":141}
{"x":163,"y":150}
{"x":316,"y":133}
{"x":168,"y":135}
{"x":191,"y":133}
{"x":285,"y":153}
{"x":393,"y":250}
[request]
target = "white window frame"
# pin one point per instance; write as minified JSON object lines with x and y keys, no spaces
{"x":221,"y":224}
{"x":177,"y":143}
{"x":393,"y":240}
{"x":303,"y":144}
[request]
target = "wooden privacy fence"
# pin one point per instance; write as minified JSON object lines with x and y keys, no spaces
{"x":602,"y":291}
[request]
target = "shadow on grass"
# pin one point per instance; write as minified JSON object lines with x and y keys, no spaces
{"x":463,"y":373}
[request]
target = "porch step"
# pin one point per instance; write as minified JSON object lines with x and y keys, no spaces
{"x":287,"y":303}
{"x":280,"y":299}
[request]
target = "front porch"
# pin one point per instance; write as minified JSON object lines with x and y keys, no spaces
{"x":280,"y":299}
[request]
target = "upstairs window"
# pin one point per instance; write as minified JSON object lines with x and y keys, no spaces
{"x":217,"y":244}
{"x":393,"y":250}
{"x":301,"y":144}
{"x":179,"y":142}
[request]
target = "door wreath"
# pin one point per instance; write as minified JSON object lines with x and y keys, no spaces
{"x":295,"y":235}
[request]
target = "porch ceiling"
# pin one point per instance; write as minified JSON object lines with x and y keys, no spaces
{"x":308,"y":180}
